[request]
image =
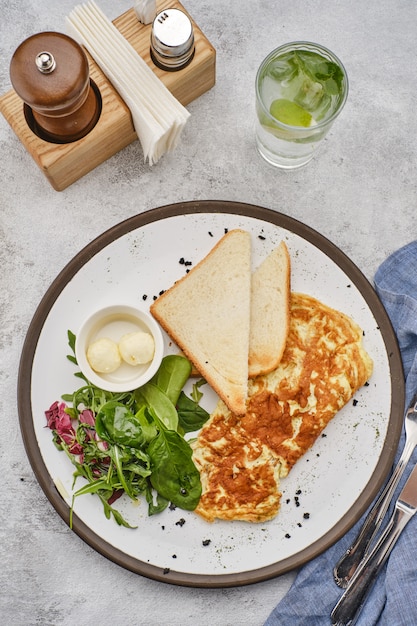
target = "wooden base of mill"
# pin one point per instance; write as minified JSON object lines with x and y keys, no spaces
{"x":63,"y":164}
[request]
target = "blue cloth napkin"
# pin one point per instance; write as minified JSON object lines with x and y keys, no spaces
{"x":393,"y":599}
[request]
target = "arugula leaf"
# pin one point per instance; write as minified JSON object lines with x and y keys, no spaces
{"x":71,"y":340}
{"x":196,"y":394}
{"x":115,"y":452}
{"x":118,"y":517}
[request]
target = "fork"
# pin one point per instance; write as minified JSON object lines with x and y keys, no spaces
{"x":346,"y":567}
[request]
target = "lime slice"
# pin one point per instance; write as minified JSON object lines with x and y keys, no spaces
{"x":290,"y":113}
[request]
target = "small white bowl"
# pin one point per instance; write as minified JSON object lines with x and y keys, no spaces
{"x":114,"y":322}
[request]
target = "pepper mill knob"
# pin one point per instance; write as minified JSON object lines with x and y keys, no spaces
{"x":45,"y":62}
{"x":50,"y":73}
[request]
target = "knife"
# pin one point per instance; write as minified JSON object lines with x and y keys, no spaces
{"x":347,"y":610}
{"x":345,"y":568}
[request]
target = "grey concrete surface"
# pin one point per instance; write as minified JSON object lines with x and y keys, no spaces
{"x":360,"y":192}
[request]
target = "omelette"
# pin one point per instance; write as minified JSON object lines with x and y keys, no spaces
{"x":242,"y":459}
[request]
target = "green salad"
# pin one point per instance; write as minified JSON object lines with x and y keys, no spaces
{"x":133,"y":443}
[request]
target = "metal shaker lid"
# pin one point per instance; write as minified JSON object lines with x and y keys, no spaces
{"x":172,"y":39}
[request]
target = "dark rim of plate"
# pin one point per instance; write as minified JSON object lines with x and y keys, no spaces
{"x":397,"y":394}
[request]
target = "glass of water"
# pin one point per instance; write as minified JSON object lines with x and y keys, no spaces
{"x":301,"y":88}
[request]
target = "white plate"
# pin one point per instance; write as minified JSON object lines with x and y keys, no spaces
{"x":328,"y":489}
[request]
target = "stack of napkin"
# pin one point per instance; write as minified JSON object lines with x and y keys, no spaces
{"x":393,"y":599}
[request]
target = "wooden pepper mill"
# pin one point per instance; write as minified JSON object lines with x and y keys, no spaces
{"x":43,"y":123}
{"x":50,"y":73}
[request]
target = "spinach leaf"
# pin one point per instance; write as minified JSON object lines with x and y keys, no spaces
{"x":149,"y":429}
{"x":151,"y":396}
{"x":116,"y":423}
{"x":156,"y":502}
{"x":174,"y":475}
{"x":172,"y":375}
{"x":191,"y":416}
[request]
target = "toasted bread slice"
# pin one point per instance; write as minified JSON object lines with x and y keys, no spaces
{"x":270,"y":311}
{"x":207,"y":314}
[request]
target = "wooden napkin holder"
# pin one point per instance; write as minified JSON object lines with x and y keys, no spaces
{"x":63,"y":164}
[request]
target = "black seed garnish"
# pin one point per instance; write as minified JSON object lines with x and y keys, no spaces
{"x":261,"y":237}
{"x":298,"y":492}
{"x":306,"y":515}
{"x":181,"y":261}
{"x":226,"y":230}
{"x":287,"y":500}
{"x":174,"y":556}
{"x":166,"y":570}
{"x":144,"y":297}
{"x":287,"y":536}
{"x":180,"y":522}
{"x":355,"y":402}
{"x":211,"y":234}
{"x":163,"y":527}
{"x":323,"y":435}
{"x":172,"y":507}
{"x":206,"y":542}
{"x":154,"y":297}
{"x":299,"y":524}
